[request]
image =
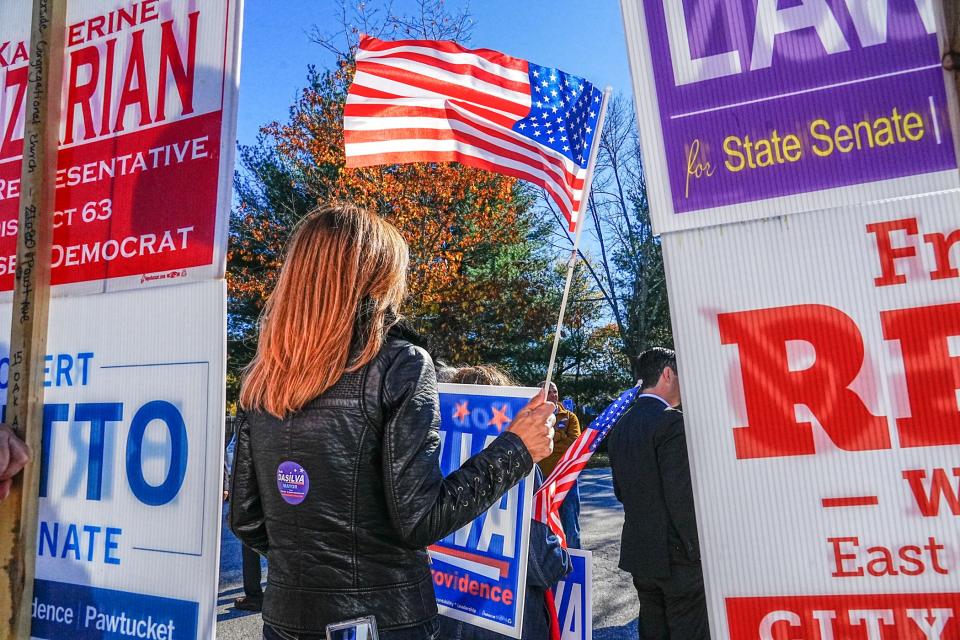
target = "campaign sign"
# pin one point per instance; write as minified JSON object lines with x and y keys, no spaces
{"x":793,"y":106}
{"x":143,"y":186}
{"x":480,"y":571}
{"x":820,"y":361}
{"x":131,"y":465}
{"x":574,"y":598}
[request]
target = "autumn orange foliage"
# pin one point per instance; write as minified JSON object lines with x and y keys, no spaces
{"x":457,"y":220}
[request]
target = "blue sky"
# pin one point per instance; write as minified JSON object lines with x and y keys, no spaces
{"x":582,"y":37}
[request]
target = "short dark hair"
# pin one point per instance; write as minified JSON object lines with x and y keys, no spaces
{"x":648,"y":366}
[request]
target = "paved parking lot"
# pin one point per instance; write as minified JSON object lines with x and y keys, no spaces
{"x":614,"y":601}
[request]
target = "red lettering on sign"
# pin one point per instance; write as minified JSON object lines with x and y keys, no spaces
{"x":182,"y":74}
{"x":915,"y":616}
{"x":177,"y":66}
{"x":888,"y":253}
{"x":80,"y":95}
{"x":929,"y":501}
{"x":933,"y":375}
{"x":134,"y":85}
{"x":909,"y":560}
{"x":17,"y":79}
{"x":942,"y":244}
{"x":772,"y":391}
{"x":11,"y":54}
{"x":842,"y":557}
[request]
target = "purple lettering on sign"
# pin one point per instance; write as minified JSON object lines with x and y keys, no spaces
{"x":767,"y":98}
{"x":292,"y":482}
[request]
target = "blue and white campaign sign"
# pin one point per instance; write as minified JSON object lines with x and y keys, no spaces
{"x":574,"y":598}
{"x":480,"y":571}
{"x":131,"y":465}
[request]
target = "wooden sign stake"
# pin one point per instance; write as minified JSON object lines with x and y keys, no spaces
{"x":31,"y":301}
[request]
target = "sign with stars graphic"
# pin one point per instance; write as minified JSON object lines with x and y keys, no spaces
{"x":479,"y":572}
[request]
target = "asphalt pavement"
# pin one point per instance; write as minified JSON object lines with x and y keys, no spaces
{"x":601,"y":518}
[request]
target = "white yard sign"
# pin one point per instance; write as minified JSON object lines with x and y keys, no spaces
{"x":131,"y":466}
{"x":820,"y":360}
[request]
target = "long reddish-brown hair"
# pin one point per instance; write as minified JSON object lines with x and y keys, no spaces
{"x":339,"y":290}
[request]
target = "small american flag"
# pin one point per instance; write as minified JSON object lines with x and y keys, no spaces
{"x":435,"y":101}
{"x":552,"y":493}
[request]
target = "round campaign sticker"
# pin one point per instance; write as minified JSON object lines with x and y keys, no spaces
{"x":292,"y":482}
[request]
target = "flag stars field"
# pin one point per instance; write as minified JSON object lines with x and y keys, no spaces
{"x":461,"y":412}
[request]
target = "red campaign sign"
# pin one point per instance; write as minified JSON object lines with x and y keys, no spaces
{"x":152,"y":216}
{"x":147,"y":140}
{"x":915,"y":616}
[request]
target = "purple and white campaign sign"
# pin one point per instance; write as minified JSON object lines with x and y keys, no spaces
{"x":754,"y":108}
{"x":826,"y":131}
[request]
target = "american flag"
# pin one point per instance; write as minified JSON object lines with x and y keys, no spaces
{"x":551,"y":494}
{"x":435,"y":101}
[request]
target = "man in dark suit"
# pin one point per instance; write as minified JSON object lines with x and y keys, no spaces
{"x":651,"y":477}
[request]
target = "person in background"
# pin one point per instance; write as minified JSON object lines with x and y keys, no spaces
{"x":547,"y":561}
{"x":252,"y":598}
{"x":337,"y":472}
{"x":651,"y":477}
{"x":568,"y":430}
{"x":14,"y":456}
{"x":445,"y":372}
{"x":487,"y":374}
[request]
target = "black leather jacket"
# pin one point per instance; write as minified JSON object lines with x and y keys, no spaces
{"x":370,"y":447}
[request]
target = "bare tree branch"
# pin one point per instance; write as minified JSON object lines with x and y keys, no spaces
{"x":584,"y":258}
{"x":430,"y":20}
{"x":628,"y":270}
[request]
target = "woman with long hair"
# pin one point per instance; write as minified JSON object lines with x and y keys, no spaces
{"x":337,"y":477}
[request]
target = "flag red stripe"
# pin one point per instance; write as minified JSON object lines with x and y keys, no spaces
{"x":566,"y":462}
{"x":551,"y":495}
{"x":488,"y":114}
{"x":541,"y":173}
{"x":470,"y":70}
{"x":553,"y":492}
{"x":400,"y":157}
{"x":369,"y":92}
{"x":455,"y":91}
{"x":369,"y":43}
{"x":399,"y":111}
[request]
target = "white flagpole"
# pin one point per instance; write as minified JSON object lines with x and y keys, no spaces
{"x":572,"y":262}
